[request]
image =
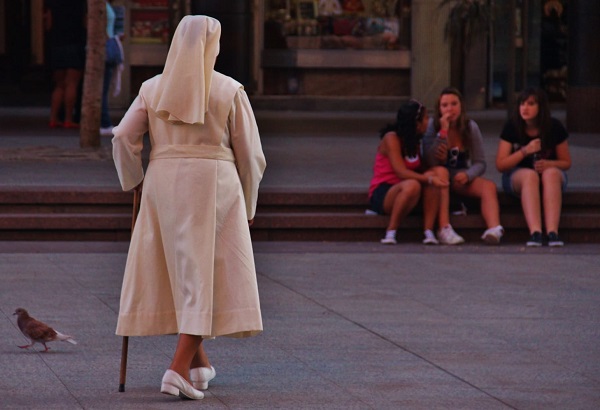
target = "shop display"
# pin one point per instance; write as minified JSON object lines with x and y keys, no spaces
{"x":337,"y":24}
{"x":149,"y":21}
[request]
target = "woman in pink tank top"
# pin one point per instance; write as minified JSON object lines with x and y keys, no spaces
{"x":398,"y":174}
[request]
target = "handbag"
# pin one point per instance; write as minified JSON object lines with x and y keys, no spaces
{"x":114,"y":53}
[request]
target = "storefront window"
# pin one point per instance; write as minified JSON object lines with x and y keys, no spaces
{"x":337,"y":24}
{"x":150,"y":21}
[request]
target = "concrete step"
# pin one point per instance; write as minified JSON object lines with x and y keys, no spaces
{"x":321,"y":226}
{"x":575,"y":227}
{"x":65,"y":226}
{"x":312,"y":215}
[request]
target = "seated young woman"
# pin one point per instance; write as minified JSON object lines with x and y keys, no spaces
{"x":455,"y":141}
{"x":533,"y":155}
{"x":400,"y":177}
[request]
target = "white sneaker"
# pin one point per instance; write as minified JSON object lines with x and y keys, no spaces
{"x":493,"y":235}
{"x":106,"y":132}
{"x":447,"y":236}
{"x":430,"y":238}
{"x":388,"y":241}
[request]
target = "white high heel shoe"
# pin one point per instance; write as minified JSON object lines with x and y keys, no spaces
{"x":174,"y":384}
{"x":200,"y":377}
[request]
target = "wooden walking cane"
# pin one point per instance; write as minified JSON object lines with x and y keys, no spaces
{"x":137,"y":196}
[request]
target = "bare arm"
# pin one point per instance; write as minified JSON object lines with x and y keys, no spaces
{"x":507,"y":160}
{"x":562,"y":161}
{"x":390,"y":147}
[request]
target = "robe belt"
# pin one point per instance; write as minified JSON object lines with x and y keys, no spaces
{"x":192,"y":151}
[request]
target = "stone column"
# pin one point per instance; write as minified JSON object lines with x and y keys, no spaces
{"x":430,"y":54}
{"x":583,"y":93}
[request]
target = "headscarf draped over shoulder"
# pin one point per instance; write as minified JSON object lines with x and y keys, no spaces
{"x":184,"y":86}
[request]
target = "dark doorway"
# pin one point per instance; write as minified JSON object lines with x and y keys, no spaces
{"x":236,"y":36}
{"x":22,"y":80}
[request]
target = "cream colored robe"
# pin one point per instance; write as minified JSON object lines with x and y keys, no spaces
{"x":190,"y":267}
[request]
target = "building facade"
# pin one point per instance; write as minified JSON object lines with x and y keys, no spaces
{"x":341,"y":50}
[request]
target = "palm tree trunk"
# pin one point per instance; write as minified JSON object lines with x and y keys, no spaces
{"x":94,"y":74}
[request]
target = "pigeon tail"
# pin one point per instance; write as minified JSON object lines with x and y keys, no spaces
{"x":65,"y":338}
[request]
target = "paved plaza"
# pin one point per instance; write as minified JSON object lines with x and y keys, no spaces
{"x":347,"y":325}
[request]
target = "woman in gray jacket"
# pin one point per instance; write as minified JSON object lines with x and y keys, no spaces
{"x":455,"y":141}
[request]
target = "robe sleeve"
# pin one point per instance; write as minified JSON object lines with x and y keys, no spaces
{"x":245,"y":142}
{"x":128,"y":142}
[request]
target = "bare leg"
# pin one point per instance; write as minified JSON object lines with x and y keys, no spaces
{"x":436,"y":201}
{"x":187,"y":348}
{"x":200,"y":359}
{"x":444,"y":209}
{"x":72,"y":79}
{"x":58,"y":94}
{"x":526,"y":182}
{"x":486,"y":191}
{"x":431,"y":204}
{"x":552,"y":179}
{"x":400,"y":200}
{"x":444,"y":204}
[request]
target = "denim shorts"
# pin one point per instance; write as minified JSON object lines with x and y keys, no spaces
{"x":507,"y":182}
{"x":378,"y":197}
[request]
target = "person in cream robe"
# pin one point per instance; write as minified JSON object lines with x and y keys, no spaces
{"x":190,"y":267}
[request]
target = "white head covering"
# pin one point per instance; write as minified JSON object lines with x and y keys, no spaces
{"x":184,"y":86}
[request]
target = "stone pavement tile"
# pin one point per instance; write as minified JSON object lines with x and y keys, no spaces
{"x":470,"y":298}
{"x":558,"y":340}
{"x":325,"y":354}
{"x":22,"y":369}
{"x":554,"y":397}
{"x":346,"y":326}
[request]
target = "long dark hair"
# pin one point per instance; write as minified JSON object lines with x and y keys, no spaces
{"x":543,"y":120}
{"x":462,"y":121}
{"x":405,"y":127}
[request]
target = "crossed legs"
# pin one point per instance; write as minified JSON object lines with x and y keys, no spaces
{"x":189,"y":354}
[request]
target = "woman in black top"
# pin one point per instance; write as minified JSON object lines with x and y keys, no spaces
{"x":533,"y":152}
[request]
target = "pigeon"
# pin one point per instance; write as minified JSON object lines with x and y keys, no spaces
{"x":37,"y":331}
